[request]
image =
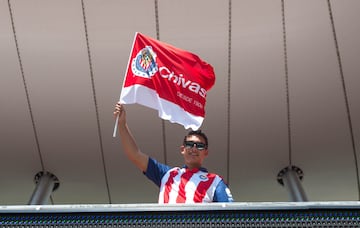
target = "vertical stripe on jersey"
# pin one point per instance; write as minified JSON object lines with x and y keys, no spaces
{"x":203,"y":187}
{"x":168,"y":184}
{"x":181,"y":198}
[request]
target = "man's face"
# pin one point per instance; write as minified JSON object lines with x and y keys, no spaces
{"x":193,"y":155}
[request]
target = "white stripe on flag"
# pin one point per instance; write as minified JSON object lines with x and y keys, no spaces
{"x":166,"y":110}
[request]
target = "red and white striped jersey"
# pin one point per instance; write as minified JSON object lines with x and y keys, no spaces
{"x":181,"y":185}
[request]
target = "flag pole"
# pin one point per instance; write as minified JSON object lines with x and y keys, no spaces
{"x":117,"y":118}
{"x":116,"y":122}
{"x":115,"y":127}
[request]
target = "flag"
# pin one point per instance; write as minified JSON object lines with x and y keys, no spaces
{"x":168,"y":79}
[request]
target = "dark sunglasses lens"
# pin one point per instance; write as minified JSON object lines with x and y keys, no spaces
{"x":199,"y":146}
{"x":189,"y":144}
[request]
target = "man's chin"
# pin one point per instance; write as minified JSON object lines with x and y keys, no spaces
{"x":194,"y":163}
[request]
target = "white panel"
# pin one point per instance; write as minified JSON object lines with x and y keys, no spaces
{"x":321,"y":142}
{"x":52,"y":39}
{"x":259,"y":148}
{"x":19,"y":160}
{"x":201,"y":28}
{"x":111,"y":37}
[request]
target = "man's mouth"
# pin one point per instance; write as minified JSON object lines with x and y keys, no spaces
{"x":194,"y":154}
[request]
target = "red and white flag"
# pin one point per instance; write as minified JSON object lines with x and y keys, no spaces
{"x":173,"y":81}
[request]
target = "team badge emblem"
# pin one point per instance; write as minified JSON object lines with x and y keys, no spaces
{"x":203,"y":177}
{"x":144,"y":64}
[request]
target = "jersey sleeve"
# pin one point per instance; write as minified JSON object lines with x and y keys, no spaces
{"x":222,"y":193}
{"x":155,"y":171}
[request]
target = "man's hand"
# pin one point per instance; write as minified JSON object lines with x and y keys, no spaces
{"x":120,"y":111}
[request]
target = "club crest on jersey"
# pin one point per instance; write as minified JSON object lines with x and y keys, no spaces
{"x":144,"y":64}
{"x":203,"y":177}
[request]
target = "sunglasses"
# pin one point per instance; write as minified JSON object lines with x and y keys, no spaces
{"x":198,"y":145}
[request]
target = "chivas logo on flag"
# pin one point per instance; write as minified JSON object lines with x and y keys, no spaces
{"x":144,"y":64}
{"x":173,"y":81}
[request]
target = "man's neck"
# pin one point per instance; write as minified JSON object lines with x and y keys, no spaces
{"x":191,"y":168}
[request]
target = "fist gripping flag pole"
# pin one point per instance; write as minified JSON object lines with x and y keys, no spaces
{"x":165,"y":78}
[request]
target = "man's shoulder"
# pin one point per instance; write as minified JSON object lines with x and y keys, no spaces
{"x":153,"y":163}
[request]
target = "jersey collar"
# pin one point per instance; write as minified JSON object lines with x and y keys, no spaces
{"x":195,"y":170}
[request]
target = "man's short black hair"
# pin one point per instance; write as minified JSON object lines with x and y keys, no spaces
{"x":197,"y":133}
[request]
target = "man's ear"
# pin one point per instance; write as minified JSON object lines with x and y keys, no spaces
{"x":182,"y":149}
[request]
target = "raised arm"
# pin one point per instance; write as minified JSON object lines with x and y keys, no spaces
{"x":128,"y":142}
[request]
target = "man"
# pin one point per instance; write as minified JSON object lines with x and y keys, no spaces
{"x":189,"y":184}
